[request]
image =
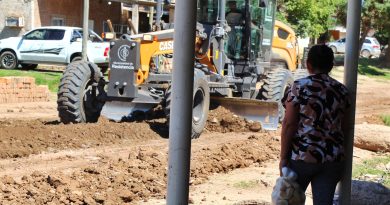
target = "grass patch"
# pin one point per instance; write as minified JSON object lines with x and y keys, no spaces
{"x":245,"y":184}
{"x":386,"y":119}
{"x":52,"y":79}
{"x":370,"y":67}
{"x":375,"y":166}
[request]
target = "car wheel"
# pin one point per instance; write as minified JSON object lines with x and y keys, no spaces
{"x":334,"y":49}
{"x":8,"y":60}
{"x":365,"y":53}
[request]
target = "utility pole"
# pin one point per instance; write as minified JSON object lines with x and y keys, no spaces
{"x":159,"y":13}
{"x":135,"y":17}
{"x":180,"y":125}
{"x":350,"y":80}
{"x":85,"y":29}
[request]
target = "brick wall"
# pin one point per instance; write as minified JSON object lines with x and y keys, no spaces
{"x":72,"y":12}
{"x":22,"y":89}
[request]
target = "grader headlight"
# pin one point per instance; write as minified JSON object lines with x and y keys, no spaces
{"x":147,"y":37}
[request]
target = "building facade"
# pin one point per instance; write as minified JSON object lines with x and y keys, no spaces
{"x":19,"y":16}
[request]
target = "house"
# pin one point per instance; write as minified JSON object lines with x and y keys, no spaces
{"x":19,"y":16}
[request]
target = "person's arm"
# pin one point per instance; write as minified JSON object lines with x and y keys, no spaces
{"x":289,"y":128}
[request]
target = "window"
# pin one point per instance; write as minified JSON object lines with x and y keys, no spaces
{"x":36,"y":35}
{"x":54,"y":34}
{"x":56,"y":21}
{"x":283,"y":34}
{"x":92,"y":35}
{"x":367,"y":41}
{"x":76,"y":35}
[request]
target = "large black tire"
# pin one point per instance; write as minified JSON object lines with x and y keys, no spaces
{"x":200,"y":109}
{"x":103,"y":69}
{"x":29,"y":66}
{"x":300,"y":73}
{"x":277,"y":82}
{"x":80,"y":58}
{"x":76,"y":58}
{"x":81,"y":93}
{"x":8,"y":60}
{"x":304,"y":57}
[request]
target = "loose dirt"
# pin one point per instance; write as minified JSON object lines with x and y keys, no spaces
{"x":20,"y":138}
{"x":222,"y":120}
{"x":139,"y":176}
{"x":45,"y":162}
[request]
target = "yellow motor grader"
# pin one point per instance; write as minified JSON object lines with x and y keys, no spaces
{"x":234,"y":67}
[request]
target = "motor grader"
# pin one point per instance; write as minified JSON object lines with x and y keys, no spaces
{"x":234,"y":67}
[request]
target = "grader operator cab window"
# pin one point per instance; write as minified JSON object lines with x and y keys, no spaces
{"x":247,"y":20}
{"x":235,"y":18}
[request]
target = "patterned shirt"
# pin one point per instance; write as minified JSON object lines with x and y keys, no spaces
{"x":322,"y":102}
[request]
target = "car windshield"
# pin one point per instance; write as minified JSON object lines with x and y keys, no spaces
{"x":92,"y":35}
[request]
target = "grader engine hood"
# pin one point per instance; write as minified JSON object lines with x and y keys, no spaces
{"x":123,"y":95}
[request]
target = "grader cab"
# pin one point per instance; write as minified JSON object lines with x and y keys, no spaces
{"x":233,"y":68}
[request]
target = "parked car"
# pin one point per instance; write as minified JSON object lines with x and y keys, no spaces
{"x":370,"y":48}
{"x":52,"y":45}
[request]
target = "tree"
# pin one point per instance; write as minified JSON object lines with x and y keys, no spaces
{"x":382,"y":25}
{"x":309,"y":18}
{"x":375,"y":14}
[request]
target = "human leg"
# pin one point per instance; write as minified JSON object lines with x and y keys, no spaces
{"x":324,"y":183}
{"x":305,"y":172}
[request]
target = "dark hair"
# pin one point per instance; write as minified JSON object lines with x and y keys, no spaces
{"x":321,"y":58}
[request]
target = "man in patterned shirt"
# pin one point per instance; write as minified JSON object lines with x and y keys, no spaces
{"x":312,"y":138}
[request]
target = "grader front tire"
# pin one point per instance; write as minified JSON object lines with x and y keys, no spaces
{"x":80,"y":93}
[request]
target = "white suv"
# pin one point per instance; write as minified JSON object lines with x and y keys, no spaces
{"x":51,"y":45}
{"x":370,"y":48}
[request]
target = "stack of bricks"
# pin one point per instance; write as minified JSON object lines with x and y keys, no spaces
{"x":22,"y":89}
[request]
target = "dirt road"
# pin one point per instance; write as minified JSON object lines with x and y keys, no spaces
{"x":45,"y":162}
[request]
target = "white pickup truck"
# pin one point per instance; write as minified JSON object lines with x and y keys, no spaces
{"x":52,"y":45}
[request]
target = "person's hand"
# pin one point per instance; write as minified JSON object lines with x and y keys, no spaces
{"x":282,"y":163}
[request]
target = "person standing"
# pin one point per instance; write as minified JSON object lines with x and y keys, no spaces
{"x":313,"y":130}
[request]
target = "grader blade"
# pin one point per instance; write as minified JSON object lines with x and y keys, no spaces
{"x":117,"y":110}
{"x":261,"y":111}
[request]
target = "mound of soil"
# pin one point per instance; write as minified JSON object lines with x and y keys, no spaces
{"x":222,"y":120}
{"x":23,"y":138}
{"x":372,"y":137}
{"x":19,"y":138}
{"x":141,"y":176}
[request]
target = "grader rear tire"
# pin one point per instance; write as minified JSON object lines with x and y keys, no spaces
{"x":200,"y":109}
{"x":80,"y":93}
{"x":277,"y":82}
